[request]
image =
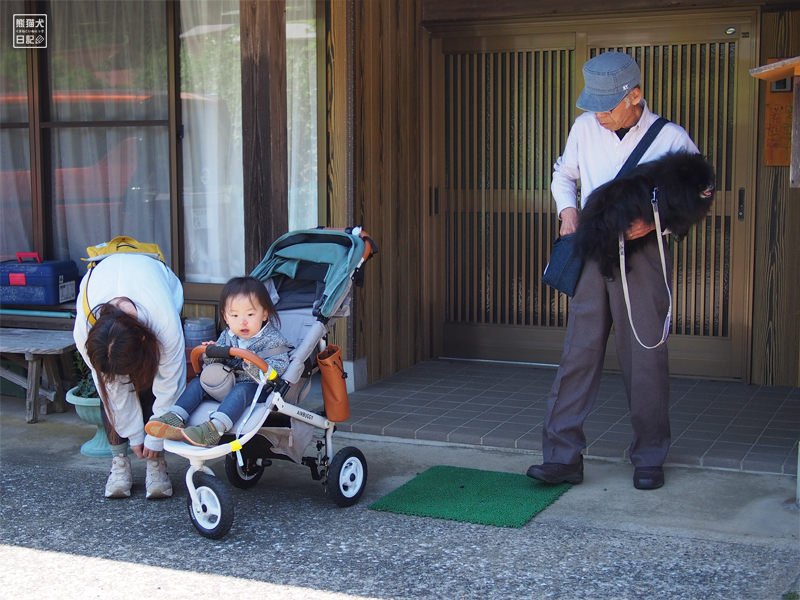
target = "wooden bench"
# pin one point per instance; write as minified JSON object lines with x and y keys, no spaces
{"x":41,"y":350}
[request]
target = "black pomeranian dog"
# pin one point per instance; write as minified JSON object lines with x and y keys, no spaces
{"x":685,"y":185}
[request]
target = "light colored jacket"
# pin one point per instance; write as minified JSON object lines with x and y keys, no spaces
{"x":268,"y":338}
{"x":158,"y":295}
{"x":595,"y":155}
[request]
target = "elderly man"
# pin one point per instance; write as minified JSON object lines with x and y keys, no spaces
{"x":598,"y":145}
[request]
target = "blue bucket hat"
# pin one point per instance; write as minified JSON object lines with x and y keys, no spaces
{"x":608,"y":77}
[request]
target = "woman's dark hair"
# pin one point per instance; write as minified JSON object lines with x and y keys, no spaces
{"x":253,"y":289}
{"x":120,"y":347}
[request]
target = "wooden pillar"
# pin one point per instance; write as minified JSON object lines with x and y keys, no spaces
{"x":339,"y":76}
{"x":264,"y":126}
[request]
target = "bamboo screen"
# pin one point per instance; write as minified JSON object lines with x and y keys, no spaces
{"x":506,"y":121}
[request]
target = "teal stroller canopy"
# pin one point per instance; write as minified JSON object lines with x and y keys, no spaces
{"x":322,"y":255}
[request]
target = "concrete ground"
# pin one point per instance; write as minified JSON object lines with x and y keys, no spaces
{"x":706,"y":534}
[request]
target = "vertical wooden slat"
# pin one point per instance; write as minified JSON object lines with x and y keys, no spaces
{"x":710,"y":223}
{"x":491,"y":208}
{"x":484,"y":182}
{"x":475,"y":186}
{"x":527,"y":247}
{"x":700,"y":229}
{"x":449,"y":192}
{"x":456,"y":185}
{"x":541,"y":211}
{"x":722,"y":115}
{"x":504,"y":234}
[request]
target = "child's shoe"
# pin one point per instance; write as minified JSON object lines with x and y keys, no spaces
{"x":156,"y":479}
{"x":120,"y":479}
{"x":204,"y":434}
{"x":167,"y":426}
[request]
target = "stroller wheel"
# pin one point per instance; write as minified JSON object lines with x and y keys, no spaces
{"x":242,"y":477}
{"x":214,"y":515}
{"x":347,"y":476}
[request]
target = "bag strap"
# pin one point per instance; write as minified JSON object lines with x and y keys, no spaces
{"x":633,"y":161}
{"x":660,"y":243}
{"x":643,"y":145}
{"x":87,"y":310}
{"x":270,"y":352}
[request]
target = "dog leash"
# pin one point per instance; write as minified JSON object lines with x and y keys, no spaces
{"x":660,"y":242}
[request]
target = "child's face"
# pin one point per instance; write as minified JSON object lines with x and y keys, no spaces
{"x":244,"y":318}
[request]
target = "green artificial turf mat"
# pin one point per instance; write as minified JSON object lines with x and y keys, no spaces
{"x":472,"y":496}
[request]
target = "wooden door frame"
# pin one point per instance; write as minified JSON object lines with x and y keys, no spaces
{"x":588,"y":30}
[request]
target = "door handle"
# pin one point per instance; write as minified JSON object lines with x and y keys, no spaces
{"x":741,"y":204}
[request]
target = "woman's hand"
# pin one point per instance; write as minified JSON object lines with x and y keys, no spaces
{"x":209,"y":343}
{"x":141,"y":452}
{"x":151,"y":454}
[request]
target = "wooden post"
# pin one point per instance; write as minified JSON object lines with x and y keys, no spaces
{"x":794,"y":174}
{"x":32,"y":396}
{"x":264,"y":126}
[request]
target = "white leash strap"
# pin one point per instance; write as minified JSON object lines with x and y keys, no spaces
{"x":654,"y":202}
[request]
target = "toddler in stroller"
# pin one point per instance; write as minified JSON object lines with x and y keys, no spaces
{"x":246,"y":307}
{"x":309,"y":275}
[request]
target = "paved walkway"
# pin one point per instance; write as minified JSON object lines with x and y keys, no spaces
{"x":715,"y":424}
{"x":708,"y":533}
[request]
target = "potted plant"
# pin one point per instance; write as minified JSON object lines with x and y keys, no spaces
{"x":85,"y":399}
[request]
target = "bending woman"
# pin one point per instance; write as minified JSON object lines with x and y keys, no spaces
{"x":135,"y":351}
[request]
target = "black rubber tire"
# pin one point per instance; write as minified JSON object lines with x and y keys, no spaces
{"x":217,"y":516}
{"x":242,"y":478}
{"x":347,"y":476}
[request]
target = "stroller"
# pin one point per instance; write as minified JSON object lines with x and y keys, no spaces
{"x":310,"y":272}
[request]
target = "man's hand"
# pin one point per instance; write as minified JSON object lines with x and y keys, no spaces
{"x":569,"y":221}
{"x":638,"y":229}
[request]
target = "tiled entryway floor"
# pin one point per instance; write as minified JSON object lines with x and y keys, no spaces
{"x":715,"y":424}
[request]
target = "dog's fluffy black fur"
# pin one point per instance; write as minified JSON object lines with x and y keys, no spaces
{"x":685,"y":185}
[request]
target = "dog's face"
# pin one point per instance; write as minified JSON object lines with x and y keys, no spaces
{"x":695,"y":174}
{"x":688,"y":193}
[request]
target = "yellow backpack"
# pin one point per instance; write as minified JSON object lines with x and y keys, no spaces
{"x":119,"y":245}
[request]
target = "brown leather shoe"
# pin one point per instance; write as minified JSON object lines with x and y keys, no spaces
{"x":557,"y":472}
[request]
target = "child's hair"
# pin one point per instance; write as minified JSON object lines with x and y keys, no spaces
{"x":253,"y":289}
{"x":119,"y":346}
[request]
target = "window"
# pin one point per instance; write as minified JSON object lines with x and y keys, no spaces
{"x":15,"y":166}
{"x":99,"y":132}
{"x":105,"y":124}
{"x":211,"y":107}
{"x":301,"y":76}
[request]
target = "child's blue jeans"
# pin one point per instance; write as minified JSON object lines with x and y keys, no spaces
{"x":230,"y":409}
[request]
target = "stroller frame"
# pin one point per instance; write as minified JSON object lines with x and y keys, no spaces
{"x":343,"y":473}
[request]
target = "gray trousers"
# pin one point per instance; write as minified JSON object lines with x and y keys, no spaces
{"x":596,"y":304}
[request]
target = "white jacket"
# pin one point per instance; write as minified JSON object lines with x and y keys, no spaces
{"x":595,"y":155}
{"x":158,"y":295}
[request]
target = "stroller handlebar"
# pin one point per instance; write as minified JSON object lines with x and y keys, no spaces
{"x":217,"y":351}
{"x":369,"y":245}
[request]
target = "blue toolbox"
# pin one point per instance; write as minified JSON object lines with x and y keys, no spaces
{"x":43,"y":283}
